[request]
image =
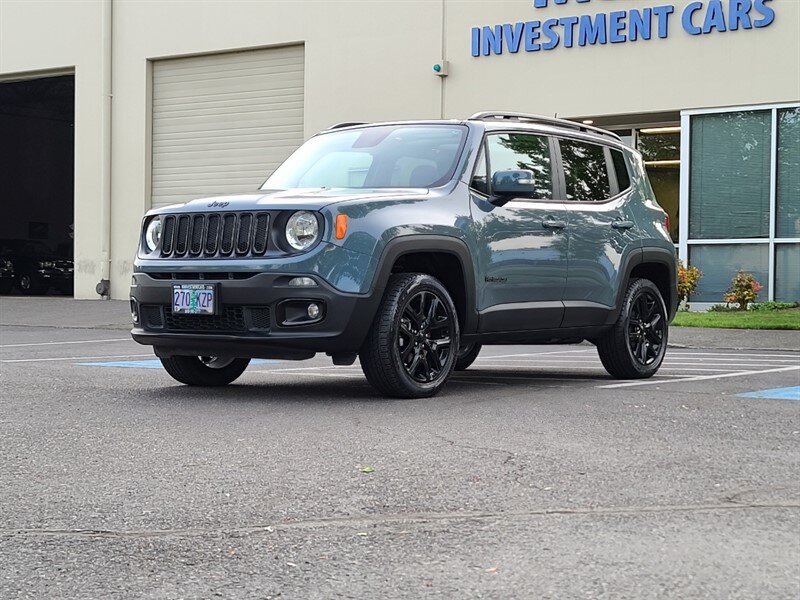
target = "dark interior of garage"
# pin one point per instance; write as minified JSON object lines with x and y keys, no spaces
{"x":37,"y":158}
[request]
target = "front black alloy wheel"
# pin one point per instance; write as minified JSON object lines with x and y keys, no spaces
{"x":423,"y":338}
{"x":635,"y":347}
{"x":410,"y":350}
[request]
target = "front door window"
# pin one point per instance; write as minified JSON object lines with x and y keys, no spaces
{"x":517,"y":151}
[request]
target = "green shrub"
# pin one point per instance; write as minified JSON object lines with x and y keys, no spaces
{"x":773,"y":305}
{"x":722,"y":308}
{"x":744,"y":290}
{"x":687,"y":280}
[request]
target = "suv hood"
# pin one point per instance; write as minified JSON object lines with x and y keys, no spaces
{"x":299,"y":199}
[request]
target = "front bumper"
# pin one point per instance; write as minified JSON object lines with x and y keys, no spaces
{"x":249,"y":323}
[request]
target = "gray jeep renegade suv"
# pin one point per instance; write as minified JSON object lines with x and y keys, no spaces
{"x":410,"y":245}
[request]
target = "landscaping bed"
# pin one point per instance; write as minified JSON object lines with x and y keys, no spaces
{"x":741,"y":319}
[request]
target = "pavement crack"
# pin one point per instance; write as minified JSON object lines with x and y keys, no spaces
{"x":386,"y":520}
{"x":509,"y":455}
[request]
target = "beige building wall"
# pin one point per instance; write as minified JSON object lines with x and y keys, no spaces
{"x":56,"y":37}
{"x":681,"y":72}
{"x":367,"y":60}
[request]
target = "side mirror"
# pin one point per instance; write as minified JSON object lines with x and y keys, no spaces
{"x":513,"y":184}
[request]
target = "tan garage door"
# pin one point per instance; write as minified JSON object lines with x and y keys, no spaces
{"x":222,"y":123}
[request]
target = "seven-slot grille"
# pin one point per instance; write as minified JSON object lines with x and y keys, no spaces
{"x":215,"y":234}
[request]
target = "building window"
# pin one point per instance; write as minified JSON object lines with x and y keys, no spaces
{"x":661,"y":151}
{"x":788,"y":192}
{"x":741,"y":193}
{"x":787,"y":272}
{"x":730,"y":175}
{"x":720,"y":262}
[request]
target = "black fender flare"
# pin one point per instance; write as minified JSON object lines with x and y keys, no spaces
{"x":649,"y":254}
{"x":415,"y":243}
{"x":667,"y":258}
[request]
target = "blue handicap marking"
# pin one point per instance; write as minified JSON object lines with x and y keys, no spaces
{"x":152,"y":363}
{"x":787,"y":393}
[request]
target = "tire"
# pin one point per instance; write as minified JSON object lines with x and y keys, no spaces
{"x":204,"y":371}
{"x":466,"y":356}
{"x":31,"y":285}
{"x":404,"y":356}
{"x":642,"y":330}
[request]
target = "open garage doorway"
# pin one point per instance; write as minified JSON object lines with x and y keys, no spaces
{"x":37,"y":170}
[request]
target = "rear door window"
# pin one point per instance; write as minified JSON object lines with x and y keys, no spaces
{"x":585,"y":171}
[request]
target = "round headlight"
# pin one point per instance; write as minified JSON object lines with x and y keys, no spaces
{"x":302,"y":230}
{"x":152,"y":235}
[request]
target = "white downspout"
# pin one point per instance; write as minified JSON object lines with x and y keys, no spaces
{"x":103,"y":288}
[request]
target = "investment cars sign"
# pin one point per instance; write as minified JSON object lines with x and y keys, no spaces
{"x":620,"y":26}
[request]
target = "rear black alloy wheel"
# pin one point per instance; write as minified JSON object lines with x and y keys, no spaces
{"x":635,"y":347}
{"x":204,"y":371}
{"x":647,"y":328}
{"x":410,"y":349}
{"x":466,"y":356}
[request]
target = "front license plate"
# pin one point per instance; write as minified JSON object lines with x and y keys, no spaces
{"x":194,"y":299}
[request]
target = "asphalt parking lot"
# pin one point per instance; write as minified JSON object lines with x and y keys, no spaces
{"x":534,"y":475}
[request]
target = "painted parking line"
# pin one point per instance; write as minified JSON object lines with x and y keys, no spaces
{"x":127,"y":364}
{"x":74,"y":358}
{"x":127,"y":339}
{"x":536,"y":354}
{"x":153,"y":363}
{"x":787,"y":393}
{"x":688,"y":366}
{"x":698,"y":378}
{"x":795,"y":356}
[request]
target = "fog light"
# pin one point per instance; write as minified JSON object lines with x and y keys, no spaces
{"x":134,"y":311}
{"x":302,"y":282}
{"x":313,"y":311}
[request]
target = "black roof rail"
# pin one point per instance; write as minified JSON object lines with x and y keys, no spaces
{"x":347,"y":124}
{"x":522,"y":117}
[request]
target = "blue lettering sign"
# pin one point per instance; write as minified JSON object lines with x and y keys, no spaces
{"x":616,"y":28}
{"x":740,"y":15}
{"x":640,"y":24}
{"x":688,"y":15}
{"x":619,"y":26}
{"x":766,"y":12}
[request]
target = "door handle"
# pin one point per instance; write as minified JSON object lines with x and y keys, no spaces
{"x":553,"y":224}
{"x":622,"y":224}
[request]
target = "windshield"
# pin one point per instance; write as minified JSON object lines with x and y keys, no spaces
{"x":387,"y":156}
